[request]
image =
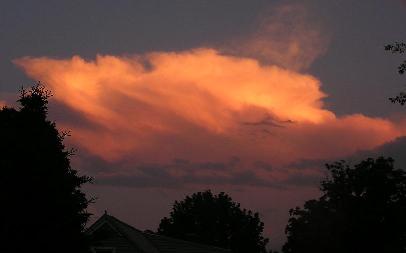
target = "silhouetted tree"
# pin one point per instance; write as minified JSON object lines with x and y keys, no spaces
{"x":215,"y":220}
{"x":362,"y":209}
{"x":398,"y":48}
{"x":42,"y":206}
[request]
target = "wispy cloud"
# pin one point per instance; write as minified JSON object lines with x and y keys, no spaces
{"x":285,"y":35}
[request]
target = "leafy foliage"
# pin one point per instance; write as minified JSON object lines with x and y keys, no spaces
{"x":398,"y":48}
{"x":215,"y":220}
{"x":362,"y":209}
{"x":401,"y":98}
{"x":43,"y":208}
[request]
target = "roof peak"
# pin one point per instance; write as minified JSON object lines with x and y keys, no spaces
{"x":152,"y":242}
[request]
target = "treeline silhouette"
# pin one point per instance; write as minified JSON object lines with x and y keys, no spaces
{"x":362,"y":207}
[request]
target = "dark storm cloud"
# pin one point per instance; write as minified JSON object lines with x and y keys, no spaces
{"x":309,"y":163}
{"x":177,"y":174}
{"x":395,"y":149}
{"x":183,"y":173}
{"x":302,"y":180}
{"x":263,"y":165}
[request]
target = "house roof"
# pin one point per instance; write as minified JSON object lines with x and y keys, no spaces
{"x":149,"y":242}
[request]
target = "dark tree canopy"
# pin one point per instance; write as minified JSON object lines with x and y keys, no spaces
{"x":398,"y":48}
{"x":42,"y":206}
{"x":215,"y":220}
{"x":362,"y":209}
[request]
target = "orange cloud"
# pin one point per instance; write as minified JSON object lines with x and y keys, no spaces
{"x":202,"y":105}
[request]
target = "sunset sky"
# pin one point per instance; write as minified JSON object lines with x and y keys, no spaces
{"x":166,"y":98}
